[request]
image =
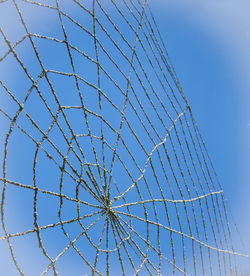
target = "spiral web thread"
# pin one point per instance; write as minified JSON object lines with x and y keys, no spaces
{"x":130,"y":162}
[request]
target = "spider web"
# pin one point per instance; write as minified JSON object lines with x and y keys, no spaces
{"x":102,"y":147}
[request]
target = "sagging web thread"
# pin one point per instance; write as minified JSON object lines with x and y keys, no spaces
{"x":102,"y":110}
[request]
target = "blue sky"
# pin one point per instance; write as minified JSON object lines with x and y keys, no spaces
{"x":208,"y":45}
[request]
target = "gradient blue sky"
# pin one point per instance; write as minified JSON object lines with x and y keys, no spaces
{"x":208,"y":43}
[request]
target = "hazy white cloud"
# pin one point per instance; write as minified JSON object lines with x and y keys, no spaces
{"x":228,"y":20}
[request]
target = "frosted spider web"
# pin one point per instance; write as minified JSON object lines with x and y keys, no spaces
{"x":102,"y":156}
